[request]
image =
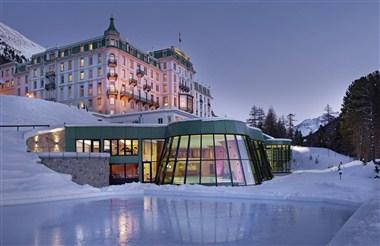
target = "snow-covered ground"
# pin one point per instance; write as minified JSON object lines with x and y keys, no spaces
{"x":24,"y":180}
{"x":310,"y":158}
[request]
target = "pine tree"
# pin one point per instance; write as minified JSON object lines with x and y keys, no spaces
{"x":270,"y":123}
{"x":256,"y":117}
{"x":290,"y":123}
{"x":328,"y":116}
{"x":281,"y":128}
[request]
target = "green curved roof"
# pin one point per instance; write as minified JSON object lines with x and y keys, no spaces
{"x":216,"y":126}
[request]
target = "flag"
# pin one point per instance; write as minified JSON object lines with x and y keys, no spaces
{"x":179,"y":38}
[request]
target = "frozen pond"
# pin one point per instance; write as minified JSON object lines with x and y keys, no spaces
{"x":151,"y":220}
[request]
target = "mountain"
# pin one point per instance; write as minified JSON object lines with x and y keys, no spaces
{"x":15,"y":46}
{"x":310,"y":125}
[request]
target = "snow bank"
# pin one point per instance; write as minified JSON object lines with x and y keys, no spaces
{"x":22,"y":178}
{"x":306,"y":158}
{"x":363,"y":227}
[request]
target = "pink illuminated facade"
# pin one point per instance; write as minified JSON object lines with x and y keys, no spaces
{"x":108,"y":75}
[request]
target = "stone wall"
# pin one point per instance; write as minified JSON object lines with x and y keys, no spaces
{"x":85,"y":168}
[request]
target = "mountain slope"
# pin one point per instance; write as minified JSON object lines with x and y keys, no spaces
{"x":11,"y":41}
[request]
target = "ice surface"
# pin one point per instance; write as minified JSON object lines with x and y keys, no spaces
{"x":148,"y":220}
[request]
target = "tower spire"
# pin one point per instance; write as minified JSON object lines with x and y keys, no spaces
{"x":111,"y":30}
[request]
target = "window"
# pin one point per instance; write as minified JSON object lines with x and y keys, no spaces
{"x":99,"y":72}
{"x":90,"y":60}
{"x":62,"y":67}
{"x":42,"y":83}
{"x":99,"y":58}
{"x":70,"y":77}
{"x":90,"y":48}
{"x":186,"y":103}
{"x":112,"y":101}
{"x":70,"y":65}
{"x":165,"y":101}
{"x":207,"y":159}
{"x":87,"y":145}
{"x":123,"y":173}
{"x":160,"y":121}
{"x":99,"y":88}
{"x":81,"y":91}
{"x":164,"y":88}
{"x":90,"y":74}
{"x":81,"y":75}
{"x":69,"y":92}
{"x":89,"y":90}
{"x":121,"y":147}
{"x":62,"y":79}
{"x":81,"y":62}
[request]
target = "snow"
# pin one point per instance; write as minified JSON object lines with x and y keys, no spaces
{"x":307,"y":158}
{"x":18,"y":41}
{"x":310,"y":125}
{"x":24,"y":180}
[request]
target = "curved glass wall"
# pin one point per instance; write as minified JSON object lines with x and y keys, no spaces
{"x":211,"y":159}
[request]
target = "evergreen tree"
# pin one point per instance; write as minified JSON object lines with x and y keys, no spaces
{"x":281,"y":128}
{"x":270,"y":123}
{"x":290,"y":118}
{"x":256,"y":117}
{"x":360,"y":126}
{"x":328,"y":116}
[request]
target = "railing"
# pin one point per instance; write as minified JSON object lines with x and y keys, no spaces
{"x":50,"y":74}
{"x":112,"y":92}
{"x":132,"y":82}
{"x":184,"y":87}
{"x":147,"y":88}
{"x":140,"y":73}
{"x":112,"y":62}
{"x":24,"y":125}
{"x":50,"y":86}
{"x":112,"y":76}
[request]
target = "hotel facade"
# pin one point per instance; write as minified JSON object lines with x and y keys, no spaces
{"x":110,"y":76}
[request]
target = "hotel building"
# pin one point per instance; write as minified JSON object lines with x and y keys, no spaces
{"x":110,"y":76}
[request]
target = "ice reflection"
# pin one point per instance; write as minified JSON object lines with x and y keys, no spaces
{"x":172,"y":221}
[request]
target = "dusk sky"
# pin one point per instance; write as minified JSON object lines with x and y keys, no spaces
{"x":296,"y":56}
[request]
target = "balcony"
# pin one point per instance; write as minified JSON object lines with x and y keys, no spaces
{"x":124,"y":93}
{"x":133,"y":81}
{"x":50,"y":86}
{"x":112,"y":76}
{"x":140,"y":73}
{"x":147,"y":88}
{"x":184,"y":88}
{"x":112,"y":62}
{"x":50,"y":74}
{"x":112,"y":92}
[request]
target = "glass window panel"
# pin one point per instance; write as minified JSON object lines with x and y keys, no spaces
{"x":147,"y":172}
{"x":247,"y":167}
{"x":135,"y":144}
{"x":182,"y":149}
{"x":157,"y":149}
{"x":173,"y":149}
{"x":87,"y":146}
{"x":79,"y":145}
{"x":96,"y":146}
{"x":223,"y":172}
{"x":121,"y":147}
{"x":106,"y":146}
{"x":195,"y":146}
{"x":117,"y":171}
{"x":232,"y":147}
{"x":193,"y":172}
{"x":237,"y":172}
{"x":147,"y":150}
{"x":154,"y":170}
{"x":179,"y":174}
{"x":207,"y":147}
{"x":128,"y":146}
{"x":114,"y":147}
{"x":220,"y":147}
{"x":169,"y":172}
{"x":243,"y":148}
{"x":208,"y":172}
{"x":131,"y":171}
